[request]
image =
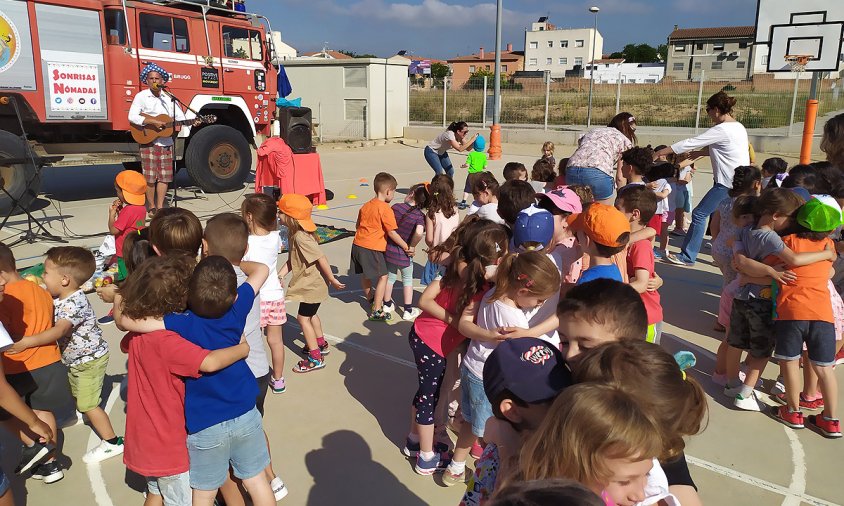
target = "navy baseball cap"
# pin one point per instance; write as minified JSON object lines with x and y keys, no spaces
{"x":530,"y":368}
{"x":533,"y":225}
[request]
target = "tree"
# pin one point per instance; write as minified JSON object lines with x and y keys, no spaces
{"x":638,"y":53}
{"x":662,"y":51}
{"x":440,"y":70}
{"x":476,"y":80}
{"x":356,"y":55}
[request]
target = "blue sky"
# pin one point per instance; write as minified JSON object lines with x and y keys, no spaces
{"x":447,"y":28}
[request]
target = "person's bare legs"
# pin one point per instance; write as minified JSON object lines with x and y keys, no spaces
{"x":230,"y":492}
{"x":151,"y":500}
{"x":150,"y":196}
{"x":663,"y":236}
{"x":380,"y":288}
{"x":274,"y":342}
{"x":101,"y":423}
{"x":206,"y":498}
{"x":269,"y":473}
{"x":829,"y":386}
{"x":733,"y":364}
{"x":755,"y":366}
{"x":260,"y":491}
{"x":388,"y":289}
{"x":160,"y":194}
{"x":811,"y":385}
{"x":464,"y":443}
{"x":790,"y":370}
{"x":309,"y":331}
{"x":721,"y":358}
{"x":8,"y":499}
{"x":366,"y":284}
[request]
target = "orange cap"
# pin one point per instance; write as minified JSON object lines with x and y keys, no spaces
{"x":134,"y":187}
{"x":602,"y":223}
{"x":299,"y":208}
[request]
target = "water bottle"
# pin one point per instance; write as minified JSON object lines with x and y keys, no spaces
{"x":282,"y":234}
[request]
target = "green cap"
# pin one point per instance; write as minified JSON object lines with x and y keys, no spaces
{"x":821,"y":213}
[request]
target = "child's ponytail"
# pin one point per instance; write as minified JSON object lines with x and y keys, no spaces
{"x":420,"y":195}
{"x":743,"y":180}
{"x":441,"y":196}
{"x":531,"y":270}
{"x":481,"y":245}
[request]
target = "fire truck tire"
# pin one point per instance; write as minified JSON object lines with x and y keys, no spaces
{"x":14,"y":176}
{"x":218,"y":158}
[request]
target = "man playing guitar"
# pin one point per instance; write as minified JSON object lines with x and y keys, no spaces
{"x":156,"y":157}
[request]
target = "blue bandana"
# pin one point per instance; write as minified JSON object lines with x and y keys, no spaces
{"x":152,"y":67}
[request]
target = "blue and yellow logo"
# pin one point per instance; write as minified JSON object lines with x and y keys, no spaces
{"x":9,"y":43}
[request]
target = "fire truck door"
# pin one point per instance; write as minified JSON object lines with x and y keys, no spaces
{"x":243,"y":69}
{"x":168,"y":41}
{"x":17,"y":66}
{"x":72,"y":63}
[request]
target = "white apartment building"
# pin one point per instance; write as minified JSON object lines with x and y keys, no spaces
{"x":610,"y":71}
{"x":283,"y":51}
{"x":557,"y":50}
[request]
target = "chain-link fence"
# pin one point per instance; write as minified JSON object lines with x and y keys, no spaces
{"x":764,"y":102}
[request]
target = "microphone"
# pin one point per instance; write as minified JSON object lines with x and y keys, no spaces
{"x":159,"y":86}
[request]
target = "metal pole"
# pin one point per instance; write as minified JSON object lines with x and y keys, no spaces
{"x":809,"y":120}
{"x":618,"y":95}
{"x":496,"y":86}
{"x":445,"y":98}
{"x":547,"y":95}
{"x":699,"y":101}
{"x":794,"y":103}
{"x":484,"y":106}
{"x":592,"y":71}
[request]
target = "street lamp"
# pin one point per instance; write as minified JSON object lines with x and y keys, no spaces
{"x":595,"y":11}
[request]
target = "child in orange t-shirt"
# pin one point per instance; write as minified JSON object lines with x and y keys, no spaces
{"x":376,"y":222}
{"x":37,"y":374}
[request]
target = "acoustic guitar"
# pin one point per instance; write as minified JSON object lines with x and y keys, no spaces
{"x":145,"y":134}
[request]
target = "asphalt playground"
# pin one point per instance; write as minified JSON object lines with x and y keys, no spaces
{"x":335,"y":435}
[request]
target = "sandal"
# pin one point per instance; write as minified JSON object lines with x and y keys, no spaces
{"x":152,"y":212}
{"x":308,"y":365}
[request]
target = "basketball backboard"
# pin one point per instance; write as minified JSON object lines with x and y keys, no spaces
{"x":802,"y":27}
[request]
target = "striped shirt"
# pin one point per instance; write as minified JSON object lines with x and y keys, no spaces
{"x":408,"y":218}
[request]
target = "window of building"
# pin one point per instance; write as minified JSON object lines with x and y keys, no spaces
{"x":164,"y":33}
{"x":487,"y":67}
{"x":697,"y":65}
{"x":549,"y":61}
{"x":742,"y":45}
{"x":564,"y":61}
{"x":699,"y":46}
{"x":679,"y":48}
{"x":765,"y":60}
{"x":115,"y":27}
{"x":504,"y":68}
{"x":578,"y":43}
{"x":678,"y":66}
{"x":355,"y":109}
{"x":354,"y":77}
{"x":717,"y":65}
{"x":550,"y":43}
{"x":471,"y":69}
{"x":564,"y":43}
{"x":578,"y":61}
{"x":534,"y":45}
{"x":541,"y":28}
{"x":532,"y":61}
{"x":740,"y":64}
{"x":242,"y":43}
{"x":718,"y":46}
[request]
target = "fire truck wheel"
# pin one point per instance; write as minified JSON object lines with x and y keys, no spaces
{"x":14,"y":176}
{"x":218,"y":158}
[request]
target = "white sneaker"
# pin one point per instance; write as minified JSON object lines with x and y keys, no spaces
{"x":412,"y":314}
{"x":779,"y":387}
{"x":103,"y":451}
{"x":388,"y":309}
{"x":749,"y":404}
{"x":279,"y":488}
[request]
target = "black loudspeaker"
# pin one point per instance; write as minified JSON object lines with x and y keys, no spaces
{"x":296,"y":128}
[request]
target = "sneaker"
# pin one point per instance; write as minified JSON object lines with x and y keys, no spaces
{"x":828,"y":427}
{"x":748,"y":404}
{"x":33,"y":456}
{"x":733,"y":391}
{"x":476,"y":450}
{"x":411,"y":315}
{"x":813,"y":405}
{"x":279,"y":488}
{"x":103,"y":451}
{"x":379,"y":316}
{"x":788,"y":418}
{"x":676,"y":260}
{"x":839,"y":357}
{"x":659,"y":254}
{"x":451,"y":479}
{"x":277,"y":385}
{"x":462,"y":206}
{"x":779,"y":387}
{"x":48,"y":473}
{"x":105,"y":320}
{"x":325,"y":349}
{"x":411,"y":449}
{"x":429,"y":467}
{"x":309,"y":364}
{"x":388,"y":307}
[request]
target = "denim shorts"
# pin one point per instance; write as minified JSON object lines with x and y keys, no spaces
{"x":819,"y":338}
{"x":601,"y":183}
{"x":174,"y":490}
{"x":239,"y":441}
{"x":474,"y":404}
{"x":4,"y":481}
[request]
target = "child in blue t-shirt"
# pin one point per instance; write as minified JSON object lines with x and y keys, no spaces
{"x":224,"y":426}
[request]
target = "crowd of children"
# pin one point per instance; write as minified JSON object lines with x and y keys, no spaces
{"x":536,"y":339}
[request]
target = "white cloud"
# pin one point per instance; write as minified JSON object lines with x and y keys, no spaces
{"x":429,"y":13}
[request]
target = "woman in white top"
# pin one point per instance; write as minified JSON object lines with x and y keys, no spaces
{"x":727,"y":146}
{"x":455,"y":137}
{"x":598,"y":154}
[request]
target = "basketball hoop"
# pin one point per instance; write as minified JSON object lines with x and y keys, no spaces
{"x":798,"y":62}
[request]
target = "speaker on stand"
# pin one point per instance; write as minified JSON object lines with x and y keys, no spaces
{"x":295,"y":128}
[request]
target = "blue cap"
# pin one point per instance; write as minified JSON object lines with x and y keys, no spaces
{"x":480,"y":143}
{"x":533,"y":225}
{"x":803,"y":192}
{"x":530,"y":368}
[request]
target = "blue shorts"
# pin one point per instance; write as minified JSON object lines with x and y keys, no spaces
{"x":474,"y":404}
{"x":239,"y":441}
{"x":819,"y":338}
{"x":601,"y":183}
{"x":174,"y":490}
{"x":4,"y":483}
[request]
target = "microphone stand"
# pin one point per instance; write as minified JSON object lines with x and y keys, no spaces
{"x":173,"y":136}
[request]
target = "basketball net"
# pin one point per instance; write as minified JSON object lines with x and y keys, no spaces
{"x":798,"y":62}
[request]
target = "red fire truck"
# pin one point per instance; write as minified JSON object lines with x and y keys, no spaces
{"x":73,"y":67}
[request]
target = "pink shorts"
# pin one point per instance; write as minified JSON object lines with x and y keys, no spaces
{"x":273,"y":312}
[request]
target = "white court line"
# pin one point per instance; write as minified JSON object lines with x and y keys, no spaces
{"x":798,"y":477}
{"x":95,"y":472}
{"x":795,"y":490}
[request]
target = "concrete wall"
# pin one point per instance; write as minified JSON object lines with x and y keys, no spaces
{"x":542,"y":52}
{"x":375,"y":107}
{"x":687,"y":63}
